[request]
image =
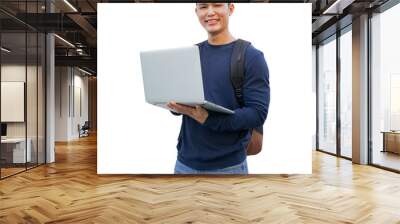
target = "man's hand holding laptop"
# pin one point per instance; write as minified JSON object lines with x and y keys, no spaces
{"x":198,"y":113}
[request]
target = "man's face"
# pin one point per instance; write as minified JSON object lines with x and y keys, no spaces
{"x":214,"y":17}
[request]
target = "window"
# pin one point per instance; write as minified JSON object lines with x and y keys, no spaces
{"x":346,"y":93}
{"x":327,"y":96}
{"x":385,"y":89}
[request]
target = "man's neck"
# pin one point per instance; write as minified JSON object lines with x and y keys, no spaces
{"x":220,"y":38}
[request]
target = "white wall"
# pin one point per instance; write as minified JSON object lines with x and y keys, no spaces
{"x":68,"y":83}
{"x":80,"y":83}
{"x":314,"y":91}
{"x":136,"y":137}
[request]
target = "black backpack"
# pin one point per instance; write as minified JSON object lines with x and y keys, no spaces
{"x":237,"y":71}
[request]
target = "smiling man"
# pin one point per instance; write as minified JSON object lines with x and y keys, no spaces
{"x":210,"y":142}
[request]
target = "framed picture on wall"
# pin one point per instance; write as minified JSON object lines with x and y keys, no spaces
{"x":12,"y":101}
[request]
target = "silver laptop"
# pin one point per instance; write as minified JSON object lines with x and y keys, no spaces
{"x":175,"y":75}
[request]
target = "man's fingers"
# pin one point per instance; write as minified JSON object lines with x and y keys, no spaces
{"x":171,"y":105}
{"x":182,"y":108}
{"x":185,"y":109}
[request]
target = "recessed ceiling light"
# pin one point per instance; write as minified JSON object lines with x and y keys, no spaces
{"x":64,"y":40}
{"x":5,"y":50}
{"x":84,"y":71}
{"x":338,"y":6}
{"x":70,"y":5}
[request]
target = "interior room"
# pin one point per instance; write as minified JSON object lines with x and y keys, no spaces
{"x":48,"y":105}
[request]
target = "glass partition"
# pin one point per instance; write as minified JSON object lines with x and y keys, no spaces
{"x":327,"y":96}
{"x":14,"y":154}
{"x":32,"y":95}
{"x":22,"y":63}
{"x":41,"y":111}
{"x":346,"y":94}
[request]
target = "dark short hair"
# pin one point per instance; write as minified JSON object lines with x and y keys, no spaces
{"x":212,"y":2}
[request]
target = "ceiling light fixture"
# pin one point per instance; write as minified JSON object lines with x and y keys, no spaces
{"x":84,"y":71}
{"x":64,"y":40}
{"x":79,"y":51}
{"x":70,"y":5}
{"x":5,"y":50}
{"x":338,"y":6}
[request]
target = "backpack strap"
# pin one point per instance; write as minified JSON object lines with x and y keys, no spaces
{"x":237,"y":72}
{"x":237,"y":68}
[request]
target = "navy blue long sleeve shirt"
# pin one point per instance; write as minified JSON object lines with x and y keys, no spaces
{"x":222,"y":140}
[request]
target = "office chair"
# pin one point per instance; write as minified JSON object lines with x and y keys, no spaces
{"x":84,"y":130}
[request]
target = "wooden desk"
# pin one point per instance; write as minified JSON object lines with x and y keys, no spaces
{"x":13,"y":150}
{"x":391,"y":141}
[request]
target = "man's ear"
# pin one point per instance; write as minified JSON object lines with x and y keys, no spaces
{"x":231,"y":8}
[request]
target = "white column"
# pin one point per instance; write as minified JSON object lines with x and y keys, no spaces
{"x":314,"y":90}
{"x":360,"y":90}
{"x":50,"y":93}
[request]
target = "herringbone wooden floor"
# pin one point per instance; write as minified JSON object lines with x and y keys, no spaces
{"x":70,"y":191}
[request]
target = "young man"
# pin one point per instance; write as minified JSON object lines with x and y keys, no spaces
{"x":215,"y":143}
